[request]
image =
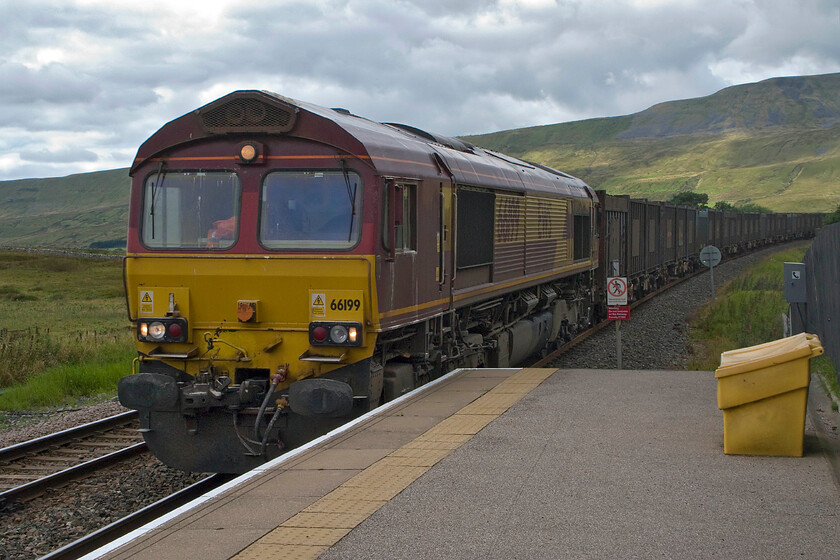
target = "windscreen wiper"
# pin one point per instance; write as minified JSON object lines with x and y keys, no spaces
{"x":351,"y":194}
{"x":156,"y":185}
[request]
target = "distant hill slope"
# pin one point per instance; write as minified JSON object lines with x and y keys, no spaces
{"x":72,"y":211}
{"x":775,"y":143}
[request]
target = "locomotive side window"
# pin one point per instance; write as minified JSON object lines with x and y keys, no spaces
{"x":405,"y":217}
{"x":582,"y":247}
{"x":191,"y":210}
{"x":476,"y":212}
{"x":311,"y":209}
{"x":405,"y":228}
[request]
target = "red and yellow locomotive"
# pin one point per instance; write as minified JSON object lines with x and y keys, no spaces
{"x":290,"y":266}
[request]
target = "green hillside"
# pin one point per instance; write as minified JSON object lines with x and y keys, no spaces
{"x":775,"y":143}
{"x":72,"y":211}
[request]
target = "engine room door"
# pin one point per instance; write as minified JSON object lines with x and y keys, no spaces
{"x":403,"y":244}
{"x":419,"y":267}
{"x":445,"y":235}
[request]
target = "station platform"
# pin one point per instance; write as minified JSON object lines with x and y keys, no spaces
{"x":528,"y":463}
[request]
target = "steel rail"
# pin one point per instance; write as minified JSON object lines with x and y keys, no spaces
{"x":137,"y":519}
{"x":37,"y":487}
{"x":36,"y":445}
{"x":595,"y":328}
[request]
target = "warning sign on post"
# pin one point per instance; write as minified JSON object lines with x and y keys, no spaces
{"x":618,"y":313}
{"x":617,"y":290}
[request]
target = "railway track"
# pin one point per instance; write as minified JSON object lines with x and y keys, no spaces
{"x":30,"y":468}
{"x":137,"y":519}
{"x":551,"y":356}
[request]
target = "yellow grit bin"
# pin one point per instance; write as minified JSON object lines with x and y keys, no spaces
{"x":763,"y":392}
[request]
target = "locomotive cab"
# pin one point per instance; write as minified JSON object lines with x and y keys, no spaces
{"x":250,"y":285}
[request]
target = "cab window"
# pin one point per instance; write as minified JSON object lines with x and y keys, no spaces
{"x":191,"y":210}
{"x":311,"y":210}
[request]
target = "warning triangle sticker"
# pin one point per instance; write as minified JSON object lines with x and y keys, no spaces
{"x":318,"y":301}
{"x":146,"y":298}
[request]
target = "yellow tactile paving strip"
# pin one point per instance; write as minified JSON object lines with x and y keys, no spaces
{"x":318,"y":527}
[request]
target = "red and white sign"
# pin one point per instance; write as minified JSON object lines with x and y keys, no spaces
{"x":617,"y":290}
{"x":618,"y":312}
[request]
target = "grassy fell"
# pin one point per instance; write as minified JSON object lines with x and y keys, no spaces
{"x":775,"y":143}
{"x":63,"y":329}
{"x":72,"y":211}
{"x":786,"y":171}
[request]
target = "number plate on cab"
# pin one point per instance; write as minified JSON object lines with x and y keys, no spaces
{"x":338,"y":305}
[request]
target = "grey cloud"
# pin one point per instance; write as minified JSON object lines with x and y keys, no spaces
{"x":530,"y":59}
{"x":67,"y":155}
{"x":452,"y":67}
{"x":35,"y":20}
{"x":53,"y":83}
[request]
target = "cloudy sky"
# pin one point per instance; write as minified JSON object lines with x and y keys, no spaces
{"x":84,"y":82}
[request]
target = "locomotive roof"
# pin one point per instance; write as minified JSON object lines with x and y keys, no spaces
{"x":393,"y":149}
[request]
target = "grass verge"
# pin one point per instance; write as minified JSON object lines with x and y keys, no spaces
{"x":72,"y":383}
{"x":824,"y":368}
{"x":747,"y":312}
{"x":64,"y":335}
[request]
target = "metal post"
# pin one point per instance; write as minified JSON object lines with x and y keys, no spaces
{"x":618,"y":341}
{"x":712,"y":276}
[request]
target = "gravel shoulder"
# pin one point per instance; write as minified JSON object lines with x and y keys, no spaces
{"x":29,"y":425}
{"x":657,"y":336}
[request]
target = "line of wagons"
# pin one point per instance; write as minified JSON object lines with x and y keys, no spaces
{"x":650,"y":242}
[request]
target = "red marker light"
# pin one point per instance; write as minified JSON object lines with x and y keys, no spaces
{"x":319,"y":334}
{"x":175,"y":330}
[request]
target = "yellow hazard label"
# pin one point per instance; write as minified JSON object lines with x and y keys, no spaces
{"x":147,"y":301}
{"x":318,"y":307}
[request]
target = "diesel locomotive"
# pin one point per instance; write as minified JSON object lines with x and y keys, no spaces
{"x":290,"y":266}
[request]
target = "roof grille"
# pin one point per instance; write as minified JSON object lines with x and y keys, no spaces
{"x":248,"y":115}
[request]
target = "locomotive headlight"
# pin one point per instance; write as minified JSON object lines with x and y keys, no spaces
{"x":352,"y":333}
{"x":165,"y":329}
{"x":339,"y":334}
{"x":249,"y":152}
{"x":157,"y":330}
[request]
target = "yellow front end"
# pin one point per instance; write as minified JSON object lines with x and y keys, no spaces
{"x":243,"y":357}
{"x":253,"y":314}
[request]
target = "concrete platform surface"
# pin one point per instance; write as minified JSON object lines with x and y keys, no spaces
{"x":609,"y":464}
{"x":501,"y":464}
